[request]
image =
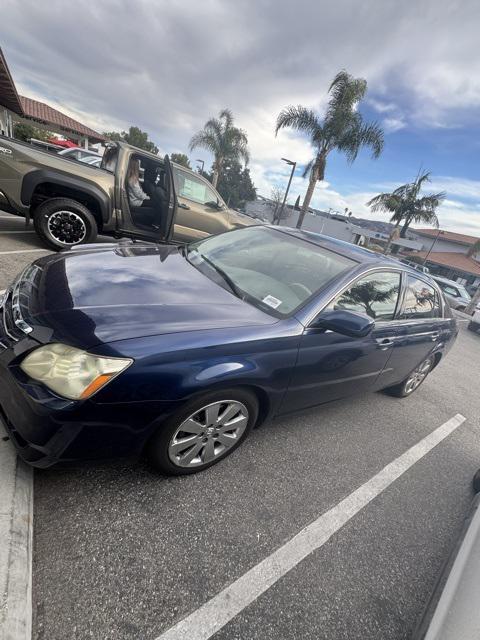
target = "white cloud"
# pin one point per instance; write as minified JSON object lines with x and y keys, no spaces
{"x":168,"y":67}
{"x":393,"y":124}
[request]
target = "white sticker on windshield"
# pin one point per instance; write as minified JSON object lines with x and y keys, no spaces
{"x":272,"y":301}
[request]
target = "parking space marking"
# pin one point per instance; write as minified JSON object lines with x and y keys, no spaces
{"x":209,"y":618}
{"x":10,"y":232}
{"x":6,"y":253}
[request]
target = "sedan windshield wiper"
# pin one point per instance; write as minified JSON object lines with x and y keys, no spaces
{"x":235,"y":289}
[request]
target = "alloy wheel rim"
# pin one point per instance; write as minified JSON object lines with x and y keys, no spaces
{"x":208,"y":434}
{"x":67,"y":227}
{"x":418,"y":375}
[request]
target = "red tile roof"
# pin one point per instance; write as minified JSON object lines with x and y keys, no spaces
{"x":45,"y":114}
{"x":8,"y":93}
{"x":448,"y":235}
{"x":458,"y":261}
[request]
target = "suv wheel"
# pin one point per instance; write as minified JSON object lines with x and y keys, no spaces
{"x":413,"y":380}
{"x":64,"y":223}
{"x":204,"y":432}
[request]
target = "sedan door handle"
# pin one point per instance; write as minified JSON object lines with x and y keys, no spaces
{"x":183,"y":206}
{"x":385,"y":343}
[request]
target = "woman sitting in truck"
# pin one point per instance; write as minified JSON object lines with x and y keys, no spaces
{"x":136,"y":195}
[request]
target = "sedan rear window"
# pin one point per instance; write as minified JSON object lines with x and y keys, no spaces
{"x":421,"y":300}
{"x":270,"y":269}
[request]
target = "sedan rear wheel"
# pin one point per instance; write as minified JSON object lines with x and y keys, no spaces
{"x":204,"y":433}
{"x":413,"y":380}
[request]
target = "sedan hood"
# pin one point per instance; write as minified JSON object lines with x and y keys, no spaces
{"x":102,"y":294}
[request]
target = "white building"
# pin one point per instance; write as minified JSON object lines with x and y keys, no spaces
{"x":10,"y":104}
{"x":449,"y":254}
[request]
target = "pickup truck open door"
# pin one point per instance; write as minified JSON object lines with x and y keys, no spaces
{"x":153,"y":219}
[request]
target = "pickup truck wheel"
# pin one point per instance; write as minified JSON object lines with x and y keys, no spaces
{"x":64,"y":223}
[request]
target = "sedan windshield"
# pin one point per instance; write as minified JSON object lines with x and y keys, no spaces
{"x":270,"y":269}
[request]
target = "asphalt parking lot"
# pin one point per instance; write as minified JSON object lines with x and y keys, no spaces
{"x":120,"y":552}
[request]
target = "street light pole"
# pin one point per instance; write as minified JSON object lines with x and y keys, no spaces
{"x":431,"y":246}
{"x":293,"y":165}
{"x":203,"y":163}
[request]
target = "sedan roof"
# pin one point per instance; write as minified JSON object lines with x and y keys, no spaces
{"x":353,"y":251}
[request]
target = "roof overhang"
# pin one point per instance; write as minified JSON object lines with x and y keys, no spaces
{"x":9,"y":97}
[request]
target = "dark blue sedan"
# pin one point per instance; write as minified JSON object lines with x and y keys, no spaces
{"x":114,"y":351}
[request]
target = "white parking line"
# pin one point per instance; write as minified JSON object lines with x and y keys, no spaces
{"x":5,"y":253}
{"x":10,"y":232}
{"x":217,"y":612}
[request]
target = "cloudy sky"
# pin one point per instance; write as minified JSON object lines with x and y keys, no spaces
{"x":167,"y":66}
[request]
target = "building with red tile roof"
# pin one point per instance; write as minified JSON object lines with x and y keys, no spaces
{"x":15,"y":108}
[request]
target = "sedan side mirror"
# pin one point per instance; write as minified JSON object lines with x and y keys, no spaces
{"x":348,"y":323}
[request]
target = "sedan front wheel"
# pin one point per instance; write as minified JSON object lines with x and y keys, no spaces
{"x":204,"y":433}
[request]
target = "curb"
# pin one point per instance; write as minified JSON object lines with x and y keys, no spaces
{"x":16,"y":534}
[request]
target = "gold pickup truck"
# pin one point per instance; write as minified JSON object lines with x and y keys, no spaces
{"x":70,"y":202}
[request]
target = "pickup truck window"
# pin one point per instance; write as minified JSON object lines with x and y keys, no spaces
{"x":194,"y":189}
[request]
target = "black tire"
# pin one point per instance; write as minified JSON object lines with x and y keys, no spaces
{"x":476,"y":482}
{"x":79,"y":227}
{"x":402,"y":390}
{"x":157,"y":449}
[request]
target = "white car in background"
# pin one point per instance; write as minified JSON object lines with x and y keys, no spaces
{"x":474,"y":324}
{"x":456,"y":294}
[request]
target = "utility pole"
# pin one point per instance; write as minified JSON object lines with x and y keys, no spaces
{"x":293,"y":165}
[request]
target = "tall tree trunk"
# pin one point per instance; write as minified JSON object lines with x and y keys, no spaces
{"x":406,"y":224}
{"x":390,"y":237}
{"x":217,"y":168}
{"x":317,"y":173}
{"x":472,"y":305}
{"x":403,"y":233}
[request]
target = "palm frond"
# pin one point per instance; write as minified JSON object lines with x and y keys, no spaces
{"x":308,"y":168}
{"x":222,"y":139}
{"x":384,"y":202}
{"x":205,"y":140}
{"x":227,"y":116}
{"x":345,"y":93}
{"x":371,"y":135}
{"x":301,"y":119}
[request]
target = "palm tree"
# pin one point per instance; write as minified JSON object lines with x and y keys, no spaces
{"x":223,"y":140}
{"x":342,"y":129}
{"x":406,"y":205}
{"x":366,"y":294}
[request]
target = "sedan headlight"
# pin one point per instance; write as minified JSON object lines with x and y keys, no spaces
{"x":71,"y":372}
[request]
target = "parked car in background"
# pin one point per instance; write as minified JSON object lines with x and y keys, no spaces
{"x":78,"y":153}
{"x":456,"y":294}
{"x":472,"y":288}
{"x":415,"y":265}
{"x":474,"y":324}
{"x":94,"y":161}
{"x":178,"y":352}
{"x":70,"y":202}
{"x":452,"y":612}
